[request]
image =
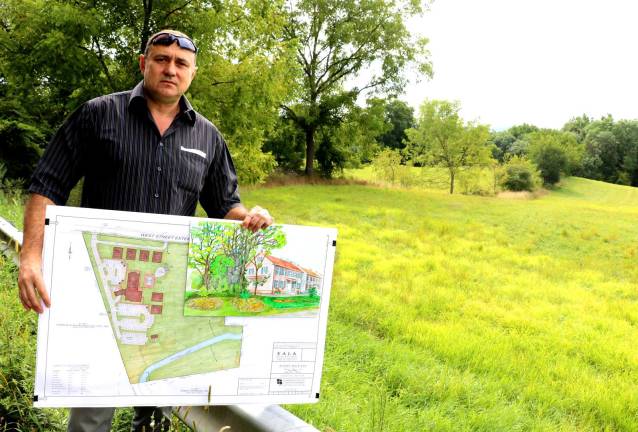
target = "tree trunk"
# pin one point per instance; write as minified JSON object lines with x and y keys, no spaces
{"x":207,"y":275}
{"x":310,"y":150}
{"x":451,"y":182}
{"x":146,"y":33}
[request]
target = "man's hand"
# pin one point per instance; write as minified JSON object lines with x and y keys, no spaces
{"x":257,"y":218}
{"x":31,"y":286}
{"x":30,"y":281}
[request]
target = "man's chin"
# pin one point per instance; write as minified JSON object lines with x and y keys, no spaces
{"x":164,"y":95}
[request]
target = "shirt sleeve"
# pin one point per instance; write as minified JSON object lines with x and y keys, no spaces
{"x":221,"y":191}
{"x":62,"y":163}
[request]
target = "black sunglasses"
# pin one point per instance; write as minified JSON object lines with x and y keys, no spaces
{"x":166,"y":39}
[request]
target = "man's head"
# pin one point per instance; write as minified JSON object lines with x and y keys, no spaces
{"x":168,"y":65}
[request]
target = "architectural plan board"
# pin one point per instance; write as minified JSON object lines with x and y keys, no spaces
{"x":157,"y":310}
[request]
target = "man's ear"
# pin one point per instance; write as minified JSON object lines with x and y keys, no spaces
{"x":194,"y":72}
{"x":142,"y":63}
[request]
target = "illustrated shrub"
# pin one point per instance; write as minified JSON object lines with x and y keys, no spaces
{"x":520,"y":174}
{"x":205,"y":303}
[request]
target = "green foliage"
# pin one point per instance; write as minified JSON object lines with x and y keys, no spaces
{"x":52,"y":62}
{"x":220,"y":253}
{"x":297,"y":301}
{"x":578,"y":127}
{"x":399,"y":116}
{"x":441,"y":138}
{"x":387,"y":164}
{"x":17,"y":362}
{"x":555,"y":152}
{"x":244,"y":294}
{"x":287,"y":143}
{"x":20,"y":148}
{"x":358,"y":132}
{"x":337,"y":40}
{"x":520,"y":174}
{"x":330,"y":157}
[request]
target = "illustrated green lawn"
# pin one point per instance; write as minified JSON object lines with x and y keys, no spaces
{"x":170,"y":332}
{"x":270,"y":306}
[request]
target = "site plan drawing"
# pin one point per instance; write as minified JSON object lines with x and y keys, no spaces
{"x":169,"y":310}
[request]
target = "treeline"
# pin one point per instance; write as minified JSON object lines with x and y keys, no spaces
{"x":522,"y":157}
{"x":271,"y":74}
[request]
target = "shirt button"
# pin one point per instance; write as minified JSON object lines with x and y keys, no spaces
{"x":156,"y":195}
{"x":159,"y":168}
{"x":161,"y":144}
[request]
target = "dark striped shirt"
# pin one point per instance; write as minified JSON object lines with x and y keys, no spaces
{"x":112,"y":142}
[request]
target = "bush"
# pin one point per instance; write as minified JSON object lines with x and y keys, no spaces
{"x":475,"y":181}
{"x":520,"y":174}
{"x":387,"y":167}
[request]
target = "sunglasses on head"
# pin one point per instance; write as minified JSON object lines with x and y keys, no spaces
{"x":166,"y":39}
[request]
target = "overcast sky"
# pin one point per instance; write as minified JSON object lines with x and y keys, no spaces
{"x":540,"y":62}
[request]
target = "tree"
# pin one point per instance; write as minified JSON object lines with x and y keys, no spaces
{"x":400,"y":116}
{"x":387,"y":163}
{"x":520,"y":174}
{"x":204,"y":253}
{"x":551,"y":161}
{"x":441,"y":138}
{"x":356,"y":135}
{"x":626,"y":133}
{"x":52,"y":62}
{"x":337,"y":40}
{"x":243,"y":246}
{"x":565,"y":143}
{"x":503,"y":142}
{"x":578,"y":126}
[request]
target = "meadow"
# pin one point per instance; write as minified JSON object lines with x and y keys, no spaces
{"x":464,"y":313}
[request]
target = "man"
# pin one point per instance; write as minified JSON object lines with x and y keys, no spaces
{"x":143,"y":150}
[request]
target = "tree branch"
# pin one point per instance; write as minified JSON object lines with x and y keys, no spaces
{"x":175,"y":10}
{"x":100,"y":56}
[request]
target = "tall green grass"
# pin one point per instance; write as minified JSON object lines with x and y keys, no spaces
{"x":472,"y":313}
{"x":453,"y":313}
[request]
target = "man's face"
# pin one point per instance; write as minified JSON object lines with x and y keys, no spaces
{"x":168,"y":72}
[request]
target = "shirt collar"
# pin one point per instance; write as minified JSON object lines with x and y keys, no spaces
{"x":137,"y":98}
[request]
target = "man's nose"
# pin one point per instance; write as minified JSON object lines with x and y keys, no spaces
{"x":169,"y":69}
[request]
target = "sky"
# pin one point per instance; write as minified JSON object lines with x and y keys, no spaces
{"x":540,"y":62}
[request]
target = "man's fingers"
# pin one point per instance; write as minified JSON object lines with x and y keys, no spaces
{"x":24,"y":304}
{"x":42,"y":291}
{"x":31,"y":284}
{"x":257,"y":218}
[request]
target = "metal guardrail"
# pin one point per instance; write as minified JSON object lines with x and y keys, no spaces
{"x":231,"y":418}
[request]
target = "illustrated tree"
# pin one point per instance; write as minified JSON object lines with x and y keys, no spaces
{"x":442,"y":139}
{"x":337,"y":40}
{"x":205,"y":249}
{"x":244,"y":246}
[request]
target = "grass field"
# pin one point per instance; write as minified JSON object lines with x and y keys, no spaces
{"x":466,"y":313}
{"x":472,"y":313}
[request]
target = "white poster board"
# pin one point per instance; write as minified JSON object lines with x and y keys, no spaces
{"x":157,"y":310}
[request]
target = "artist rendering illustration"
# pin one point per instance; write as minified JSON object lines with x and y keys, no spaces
{"x":235,"y":272}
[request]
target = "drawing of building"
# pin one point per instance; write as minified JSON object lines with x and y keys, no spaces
{"x":276,"y":276}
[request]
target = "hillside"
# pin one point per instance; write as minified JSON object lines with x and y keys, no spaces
{"x":470,"y":313}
